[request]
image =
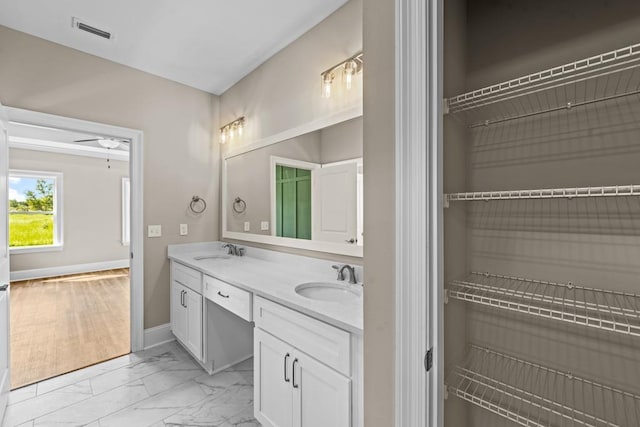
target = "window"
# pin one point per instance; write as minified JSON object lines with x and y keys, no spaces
{"x":35,"y":211}
{"x":126,"y":207}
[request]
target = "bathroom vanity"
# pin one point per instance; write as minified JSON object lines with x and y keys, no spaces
{"x":302,"y":326}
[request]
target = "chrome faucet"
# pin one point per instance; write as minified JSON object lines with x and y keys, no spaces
{"x":350,"y":269}
{"x":233,"y":249}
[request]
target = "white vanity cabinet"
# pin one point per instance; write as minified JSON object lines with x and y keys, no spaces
{"x":302,"y":369}
{"x":186,"y":307}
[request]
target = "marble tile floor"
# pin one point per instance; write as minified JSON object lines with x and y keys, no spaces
{"x":162,"y":386}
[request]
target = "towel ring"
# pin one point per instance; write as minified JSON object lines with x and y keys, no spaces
{"x":197,"y":205}
{"x":239,"y":205}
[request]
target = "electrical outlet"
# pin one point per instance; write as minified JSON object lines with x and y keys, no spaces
{"x":154,"y":231}
{"x":264,"y":225}
{"x":247,"y":226}
{"x":184,"y":229}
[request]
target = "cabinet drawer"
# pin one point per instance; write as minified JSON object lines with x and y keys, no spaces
{"x":234,"y":299}
{"x":187,"y":276}
{"x":326,"y":343}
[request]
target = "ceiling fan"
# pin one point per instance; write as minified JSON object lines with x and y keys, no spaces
{"x":108,"y":143}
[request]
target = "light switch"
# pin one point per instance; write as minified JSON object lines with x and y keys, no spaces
{"x":154,"y":231}
{"x":247,"y":226}
{"x":264,"y":225}
{"x":184,"y":229}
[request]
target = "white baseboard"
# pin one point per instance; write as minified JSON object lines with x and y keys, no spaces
{"x":158,"y":335}
{"x":39,"y":273}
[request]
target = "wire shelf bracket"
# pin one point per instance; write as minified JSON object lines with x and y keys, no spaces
{"x":533,"y":395}
{"x":611,"y":311}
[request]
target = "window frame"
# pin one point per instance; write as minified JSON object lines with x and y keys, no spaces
{"x":58,"y":223}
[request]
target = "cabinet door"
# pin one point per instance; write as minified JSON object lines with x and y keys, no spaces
{"x":178,"y":312}
{"x":193,"y":339}
{"x":273,"y":394}
{"x":322,"y":396}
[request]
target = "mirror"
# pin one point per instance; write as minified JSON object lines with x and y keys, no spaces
{"x":305,"y":191}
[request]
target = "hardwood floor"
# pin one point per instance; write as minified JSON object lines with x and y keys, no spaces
{"x":65,"y":323}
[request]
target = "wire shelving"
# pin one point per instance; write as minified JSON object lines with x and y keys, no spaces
{"x":533,"y":395}
{"x":612,"y":311}
{"x":602,"y":77}
{"x":548,"y":193}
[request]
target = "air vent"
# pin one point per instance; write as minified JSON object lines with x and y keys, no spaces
{"x":83,"y":26}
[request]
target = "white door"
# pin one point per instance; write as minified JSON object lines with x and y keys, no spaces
{"x":334,"y":203}
{"x":193,"y":303}
{"x":272,"y":383}
{"x":322,"y":396}
{"x":178,"y":311}
{"x":4,"y":267}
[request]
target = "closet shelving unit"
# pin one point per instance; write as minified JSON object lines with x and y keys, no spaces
{"x":608,"y":310}
{"x":533,"y":395}
{"x":524,"y":392}
{"x":605,"y":77}
{"x":549,"y":193}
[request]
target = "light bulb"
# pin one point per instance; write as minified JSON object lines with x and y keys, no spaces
{"x":326,"y":85}
{"x":223,"y":136}
{"x":231,"y":133}
{"x":240,"y":127}
{"x":327,"y":89}
{"x":350,"y":68}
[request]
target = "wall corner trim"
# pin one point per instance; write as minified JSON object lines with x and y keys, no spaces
{"x":39,"y":273}
{"x":158,"y":335}
{"x":418,"y":400}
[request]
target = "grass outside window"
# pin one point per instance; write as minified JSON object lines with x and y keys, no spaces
{"x":30,"y":229}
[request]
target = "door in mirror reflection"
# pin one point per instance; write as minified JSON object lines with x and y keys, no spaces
{"x":335,"y":203}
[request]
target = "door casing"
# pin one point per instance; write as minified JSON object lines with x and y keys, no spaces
{"x":136,"y":175}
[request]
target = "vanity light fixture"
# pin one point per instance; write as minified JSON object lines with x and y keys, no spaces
{"x":348,"y":68}
{"x":230,"y":130}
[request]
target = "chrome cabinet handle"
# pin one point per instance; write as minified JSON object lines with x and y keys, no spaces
{"x":222,"y":295}
{"x":4,"y":287}
{"x":185,"y":299}
{"x":294,"y":373}
{"x":352,"y":240}
{"x":182,"y":300}
{"x":286,"y":357}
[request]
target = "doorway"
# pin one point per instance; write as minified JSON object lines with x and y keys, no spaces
{"x":86,"y":308}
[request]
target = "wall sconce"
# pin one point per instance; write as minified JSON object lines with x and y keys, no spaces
{"x":230,"y":130}
{"x":348,"y":68}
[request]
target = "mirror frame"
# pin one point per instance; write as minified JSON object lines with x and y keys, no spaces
{"x":318,"y":246}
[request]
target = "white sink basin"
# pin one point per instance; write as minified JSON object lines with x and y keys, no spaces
{"x":325,"y":291}
{"x":216,"y":256}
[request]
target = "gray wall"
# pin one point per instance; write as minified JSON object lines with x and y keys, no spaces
{"x":92,"y":209}
{"x":180,"y":158}
{"x":591,"y":242}
{"x":284,"y":92}
{"x":342,"y":141}
{"x":379,"y":206}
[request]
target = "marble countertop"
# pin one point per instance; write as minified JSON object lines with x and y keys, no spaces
{"x":274,"y":276}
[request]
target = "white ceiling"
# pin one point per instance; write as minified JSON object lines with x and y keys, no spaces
{"x":206,"y":44}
